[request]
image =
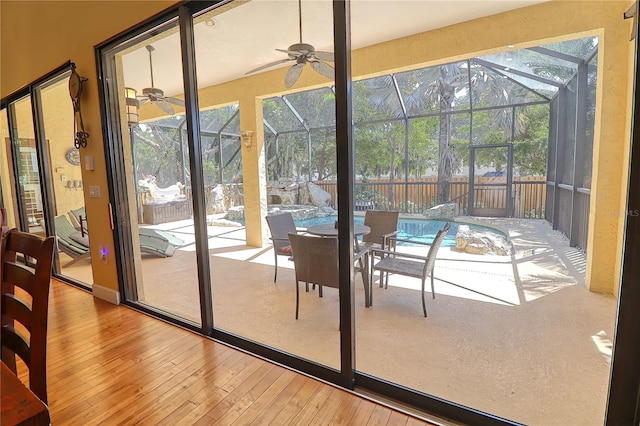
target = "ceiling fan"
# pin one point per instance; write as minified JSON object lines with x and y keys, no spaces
{"x":156,"y":96}
{"x":302,"y":54}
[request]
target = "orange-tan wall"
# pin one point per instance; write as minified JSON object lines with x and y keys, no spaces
{"x":55,"y":34}
{"x":39,"y":36}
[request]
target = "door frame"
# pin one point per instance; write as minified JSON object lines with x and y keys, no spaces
{"x":508,"y":185}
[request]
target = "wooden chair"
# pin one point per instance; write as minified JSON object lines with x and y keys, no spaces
{"x":394,"y":262}
{"x":24,"y":302}
{"x":316,"y":261}
{"x":3,"y":221}
{"x":280,"y":225}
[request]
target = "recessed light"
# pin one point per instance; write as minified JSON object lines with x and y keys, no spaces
{"x":510,"y":46}
{"x":211,"y":22}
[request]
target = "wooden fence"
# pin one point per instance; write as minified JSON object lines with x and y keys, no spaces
{"x":418,"y":195}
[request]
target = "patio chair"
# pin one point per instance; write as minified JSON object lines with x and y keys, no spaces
{"x":384,"y":226}
{"x":316,"y":261}
{"x":394,"y":262}
{"x":280,"y":225}
{"x":71,"y":241}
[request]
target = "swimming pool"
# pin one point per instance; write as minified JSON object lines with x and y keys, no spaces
{"x":419,"y":230}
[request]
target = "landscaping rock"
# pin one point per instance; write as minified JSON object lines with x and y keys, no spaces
{"x":447,"y":211}
{"x":481,"y":242}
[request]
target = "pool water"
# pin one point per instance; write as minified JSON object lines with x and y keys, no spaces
{"x":418,"y":230}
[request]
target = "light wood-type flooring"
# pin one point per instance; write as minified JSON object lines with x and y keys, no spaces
{"x":112,"y":365}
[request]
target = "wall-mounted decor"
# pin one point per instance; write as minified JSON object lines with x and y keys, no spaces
{"x":73,"y":156}
{"x":75,"y":90}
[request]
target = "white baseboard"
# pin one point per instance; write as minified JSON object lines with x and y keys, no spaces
{"x":107,"y":294}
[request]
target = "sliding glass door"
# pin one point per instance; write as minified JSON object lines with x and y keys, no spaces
{"x":155,"y":214}
{"x":26,"y":162}
{"x":247,"y":301}
{"x":38,"y":154}
{"x":9,"y":200}
{"x":64,"y":178}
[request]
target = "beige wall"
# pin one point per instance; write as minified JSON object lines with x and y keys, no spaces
{"x":51,"y":32}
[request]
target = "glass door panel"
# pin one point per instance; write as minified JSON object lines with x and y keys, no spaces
{"x":70,"y":218}
{"x":148,"y":85}
{"x":7,"y":179}
{"x":28,"y":174}
{"x":246,"y":300}
{"x":508,"y":331}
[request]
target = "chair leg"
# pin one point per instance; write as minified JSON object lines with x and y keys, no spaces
{"x":275,"y":275}
{"x":433,"y":291}
{"x":297,"y":298}
{"x":320,"y":290}
{"x":364,"y":272}
{"x":424,"y":305}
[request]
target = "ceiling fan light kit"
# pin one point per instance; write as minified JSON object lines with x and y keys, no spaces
{"x":156,"y":96}
{"x":302,"y":54}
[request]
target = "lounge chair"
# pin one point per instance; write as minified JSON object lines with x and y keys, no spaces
{"x":70,"y":240}
{"x":152,"y":241}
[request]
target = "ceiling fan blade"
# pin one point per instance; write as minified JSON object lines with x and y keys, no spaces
{"x":293,"y":52}
{"x":323,"y":69}
{"x":164,"y":106}
{"x":324,"y":56}
{"x":293,"y":74}
{"x":143,"y":99}
{"x":175,"y":101}
{"x":262,"y":67}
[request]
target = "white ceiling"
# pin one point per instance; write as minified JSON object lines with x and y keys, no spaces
{"x":246,"y":34}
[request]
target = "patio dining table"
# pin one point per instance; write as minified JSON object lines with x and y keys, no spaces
{"x":330,"y":230}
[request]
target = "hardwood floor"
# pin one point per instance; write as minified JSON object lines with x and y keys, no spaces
{"x":111,"y":365}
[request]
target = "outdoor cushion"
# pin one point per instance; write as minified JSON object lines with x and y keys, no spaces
{"x":286,"y":249}
{"x":78,"y":238}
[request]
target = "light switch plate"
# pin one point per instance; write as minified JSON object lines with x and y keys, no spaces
{"x":94,"y":191}
{"x":88,"y":162}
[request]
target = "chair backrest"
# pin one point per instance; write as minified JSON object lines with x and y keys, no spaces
{"x":433,"y":250}
{"x":315,"y":259}
{"x":3,"y":221}
{"x":24,"y":300}
{"x":381,"y":223}
{"x":280,"y":225}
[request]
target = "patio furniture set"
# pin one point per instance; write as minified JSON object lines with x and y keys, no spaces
{"x":314,"y":252}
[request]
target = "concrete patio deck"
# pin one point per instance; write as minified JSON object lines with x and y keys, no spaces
{"x":518,"y":336}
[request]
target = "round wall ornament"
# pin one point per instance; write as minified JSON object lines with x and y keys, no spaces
{"x":73,"y":156}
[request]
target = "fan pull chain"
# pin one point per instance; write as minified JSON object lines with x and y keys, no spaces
{"x":300,"y":18}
